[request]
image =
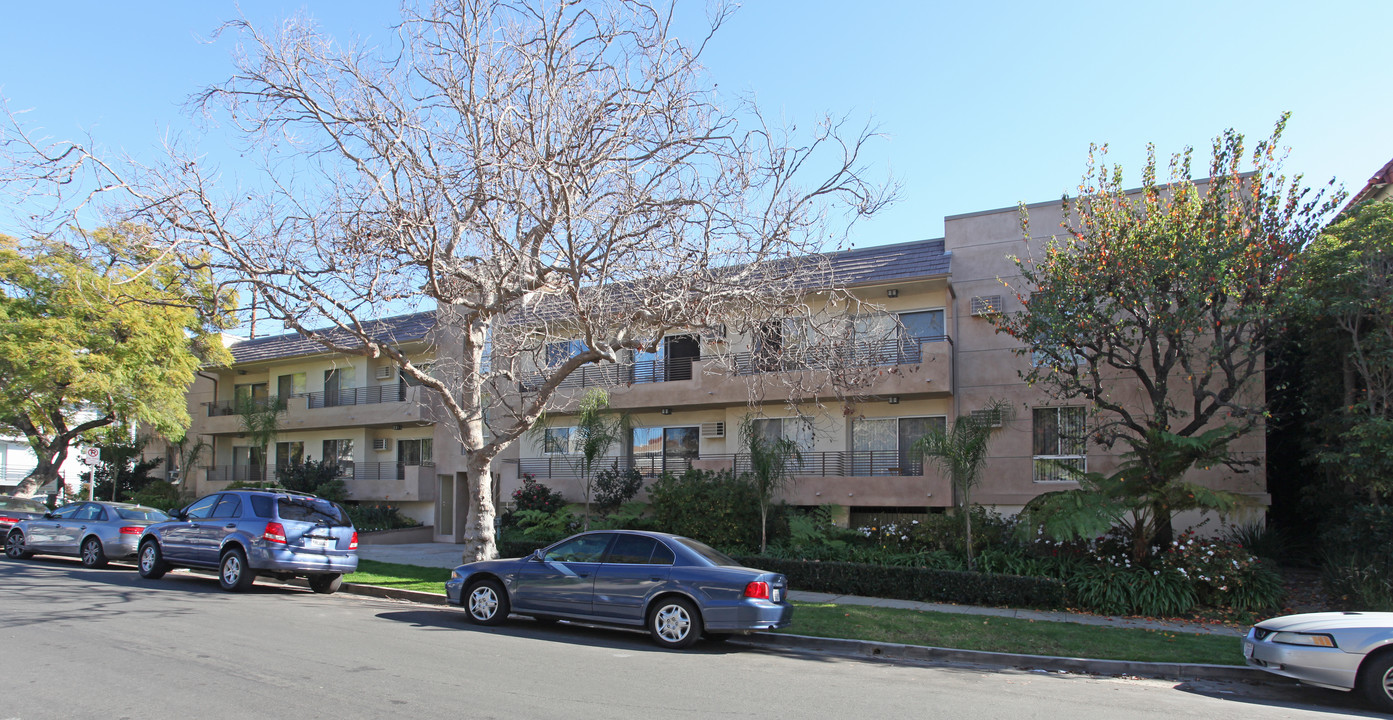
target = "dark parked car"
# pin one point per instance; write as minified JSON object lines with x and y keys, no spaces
{"x":13,"y":509}
{"x":93,"y":531}
{"x":675,"y":587}
{"x":243,"y":533}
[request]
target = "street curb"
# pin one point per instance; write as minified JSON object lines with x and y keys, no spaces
{"x":922,"y":653}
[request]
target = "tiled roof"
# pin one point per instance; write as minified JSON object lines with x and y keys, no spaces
{"x":861,"y":266}
{"x":399,"y":329}
{"x":890,"y":262}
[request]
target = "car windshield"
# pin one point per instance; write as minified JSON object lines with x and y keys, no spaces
{"x":141,"y":513}
{"x":311,"y":510}
{"x":716,"y":557}
{"x":22,"y":505}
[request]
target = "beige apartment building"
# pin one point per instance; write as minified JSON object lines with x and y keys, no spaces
{"x":935,"y":356}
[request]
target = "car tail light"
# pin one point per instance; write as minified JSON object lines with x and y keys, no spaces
{"x":353,"y":544}
{"x":275,"y":533}
{"x":131,"y":530}
{"x":9,"y":520}
{"x":758,"y":590}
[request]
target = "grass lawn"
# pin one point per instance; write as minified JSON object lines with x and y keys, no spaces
{"x":910,"y":627}
{"x":401,"y":577}
{"x":1012,"y":635}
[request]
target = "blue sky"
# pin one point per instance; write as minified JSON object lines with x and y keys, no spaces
{"x":984,"y":104}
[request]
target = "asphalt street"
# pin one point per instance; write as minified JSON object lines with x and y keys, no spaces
{"x":84,"y":643}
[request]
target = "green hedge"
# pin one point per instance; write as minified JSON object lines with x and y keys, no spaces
{"x":518,"y":548}
{"x":915,"y":583}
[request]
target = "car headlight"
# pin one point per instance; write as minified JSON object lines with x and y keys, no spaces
{"x":454,"y":574}
{"x":1310,"y":639}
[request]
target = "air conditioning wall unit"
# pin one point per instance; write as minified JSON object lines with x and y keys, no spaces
{"x":713,"y":429}
{"x":381,"y":444}
{"x":385,"y":372}
{"x":989,"y":418}
{"x":986,"y":305}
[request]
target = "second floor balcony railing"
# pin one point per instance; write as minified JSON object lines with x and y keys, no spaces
{"x":834,"y":463}
{"x":369,"y":395}
{"x":894,"y":351}
{"x":234,"y":407}
{"x":611,"y":374}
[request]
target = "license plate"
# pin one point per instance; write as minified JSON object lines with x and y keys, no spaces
{"x":315,"y":543}
{"x":1248,"y":650}
{"x":777,"y":595}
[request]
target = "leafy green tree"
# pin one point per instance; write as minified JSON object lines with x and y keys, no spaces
{"x":323,"y":478}
{"x":961,"y":451}
{"x":122,"y":472}
{"x":260,"y":419}
{"x":771,"y":463}
{"x":87,"y":339}
{"x":596,"y":430}
{"x":1342,"y":318}
{"x":1158,"y":304}
{"x":1128,"y":500}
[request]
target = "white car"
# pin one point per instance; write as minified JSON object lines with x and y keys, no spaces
{"x":1337,"y":650}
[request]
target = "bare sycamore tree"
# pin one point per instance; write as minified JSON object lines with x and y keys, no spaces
{"x":558,"y":179}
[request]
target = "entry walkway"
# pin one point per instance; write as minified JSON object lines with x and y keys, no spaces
{"x":448,"y":556}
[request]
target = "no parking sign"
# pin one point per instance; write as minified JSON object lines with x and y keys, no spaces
{"x":91,"y":455}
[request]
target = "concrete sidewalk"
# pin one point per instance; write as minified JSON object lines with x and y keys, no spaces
{"x":448,"y":556}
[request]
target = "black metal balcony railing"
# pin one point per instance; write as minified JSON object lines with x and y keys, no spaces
{"x":386,"y":470}
{"x":351,"y":471}
{"x":610,"y":374}
{"x":898,"y":351}
{"x":850,"y":463}
{"x":369,"y":395}
{"x":234,"y":407}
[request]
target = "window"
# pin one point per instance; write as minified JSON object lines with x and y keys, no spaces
{"x":926,"y":324}
{"x":66,"y":512}
{"x":340,"y":452}
{"x":230,"y":506}
{"x":586,"y":548}
{"x":289,"y":453}
{"x":799,"y":430}
{"x":660,"y":450}
{"x":1059,"y":435}
{"x":885,"y":446}
{"x":559,"y":440}
{"x":88,"y":512}
{"x":338,"y":387}
{"x":631,"y":550}
{"x":415,"y":452}
{"x":202,"y":508}
{"x":289,"y":385}
{"x":560,"y":352}
{"x":249,"y":463}
{"x":249,"y":393}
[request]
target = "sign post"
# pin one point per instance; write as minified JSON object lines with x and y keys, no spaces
{"x":91,"y":455}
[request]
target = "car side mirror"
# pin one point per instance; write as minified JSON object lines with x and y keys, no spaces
{"x":48,"y":516}
{"x":536,"y":555}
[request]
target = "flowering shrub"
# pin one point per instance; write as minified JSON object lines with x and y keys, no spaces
{"x":536,"y":496}
{"x":1223,"y":574}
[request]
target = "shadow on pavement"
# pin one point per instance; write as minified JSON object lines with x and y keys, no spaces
{"x":560,"y":632}
{"x":1288,"y":697}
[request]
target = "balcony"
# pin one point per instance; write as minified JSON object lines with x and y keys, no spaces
{"x":611,"y":375}
{"x":224,"y":408}
{"x":901,"y":351}
{"x":392,"y":482}
{"x":836,"y":463}
{"x":379,"y":405}
{"x":369,"y":395}
{"x":239,"y":473}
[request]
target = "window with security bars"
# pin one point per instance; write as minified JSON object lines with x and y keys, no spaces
{"x":1059,"y":435}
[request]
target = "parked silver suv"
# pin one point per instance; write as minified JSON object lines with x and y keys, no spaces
{"x":245,"y":533}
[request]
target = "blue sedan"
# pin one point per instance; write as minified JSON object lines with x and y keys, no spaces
{"x":675,"y":587}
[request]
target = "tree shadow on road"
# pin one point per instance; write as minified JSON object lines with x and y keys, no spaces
{"x":560,"y":632}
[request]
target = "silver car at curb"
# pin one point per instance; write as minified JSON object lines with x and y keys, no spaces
{"x":1336,"y":650}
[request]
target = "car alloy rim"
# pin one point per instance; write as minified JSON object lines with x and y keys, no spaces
{"x":1388,"y":683}
{"x":231,"y":569}
{"x":89,"y":552}
{"x":672,"y":623}
{"x":12,"y":544}
{"x":147,"y":558}
{"x":483,"y":603}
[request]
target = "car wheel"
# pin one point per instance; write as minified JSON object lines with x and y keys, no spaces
{"x":233,"y":573}
{"x":674,"y":623}
{"x":326,"y":583}
{"x":14,"y":546}
{"x":1376,"y":681}
{"x":92,"y":554}
{"x":486,"y":603}
{"x":151,"y":562}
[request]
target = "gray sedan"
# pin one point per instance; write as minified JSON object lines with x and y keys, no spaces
{"x":93,"y":531}
{"x":676,"y":588}
{"x":13,"y":509}
{"x":1337,"y":650}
